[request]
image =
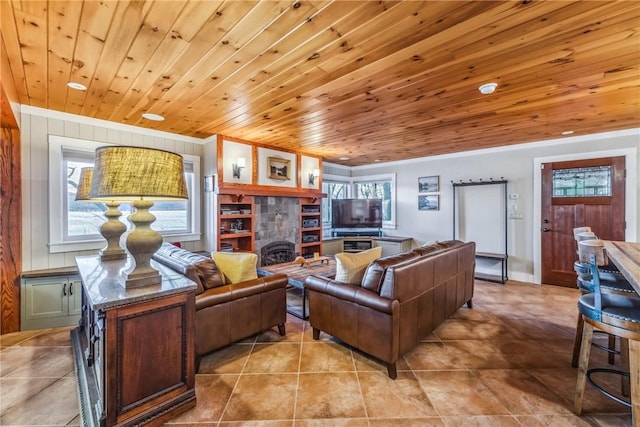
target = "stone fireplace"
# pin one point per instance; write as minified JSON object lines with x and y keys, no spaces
{"x":277,"y":253}
{"x":277,"y":220}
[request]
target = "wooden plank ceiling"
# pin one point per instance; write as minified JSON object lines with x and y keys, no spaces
{"x":368,"y":80}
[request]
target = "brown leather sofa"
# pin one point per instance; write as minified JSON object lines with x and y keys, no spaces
{"x":226,"y":313}
{"x":401,"y":299}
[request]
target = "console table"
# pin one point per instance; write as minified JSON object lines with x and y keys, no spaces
{"x":134,"y":349}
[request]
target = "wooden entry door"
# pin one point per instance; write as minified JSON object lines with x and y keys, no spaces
{"x":576,"y":194}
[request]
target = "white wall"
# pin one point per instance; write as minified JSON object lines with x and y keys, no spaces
{"x":514,"y":163}
{"x":36,"y":124}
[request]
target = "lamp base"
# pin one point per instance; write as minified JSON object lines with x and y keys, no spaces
{"x":111,"y":230}
{"x":112,"y":255}
{"x":142,"y":242}
{"x":138,"y":280}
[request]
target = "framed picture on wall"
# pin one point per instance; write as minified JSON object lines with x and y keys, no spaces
{"x":279,"y":168}
{"x":429,"y":202}
{"x":429,"y":184}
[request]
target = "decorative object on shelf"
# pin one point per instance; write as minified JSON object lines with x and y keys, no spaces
{"x":238,"y":166}
{"x":279,"y":168}
{"x":141,"y":175}
{"x":429,"y":184}
{"x":429,"y":202}
{"x":313,"y":176}
{"x":112,"y":228}
{"x":238,"y":226}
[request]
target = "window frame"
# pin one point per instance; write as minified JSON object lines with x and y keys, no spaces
{"x":334,"y":179}
{"x":58,"y":241}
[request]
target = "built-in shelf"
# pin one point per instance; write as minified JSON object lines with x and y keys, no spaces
{"x":310,"y":226}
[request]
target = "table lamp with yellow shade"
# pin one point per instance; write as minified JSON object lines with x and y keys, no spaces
{"x":141,"y":176}
{"x":111,"y":229}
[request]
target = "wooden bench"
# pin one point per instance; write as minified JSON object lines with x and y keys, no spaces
{"x":502,"y":278}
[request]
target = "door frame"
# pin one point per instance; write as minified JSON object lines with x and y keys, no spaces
{"x":630,"y":196}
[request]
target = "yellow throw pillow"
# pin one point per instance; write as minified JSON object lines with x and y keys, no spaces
{"x":236,"y":266}
{"x":350,"y":267}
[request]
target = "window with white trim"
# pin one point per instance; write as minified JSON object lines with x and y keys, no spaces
{"x":75,"y":225}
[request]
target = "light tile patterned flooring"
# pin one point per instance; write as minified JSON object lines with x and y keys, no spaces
{"x":506,"y":362}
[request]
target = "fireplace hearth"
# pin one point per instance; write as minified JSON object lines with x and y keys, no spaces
{"x":277,"y":253}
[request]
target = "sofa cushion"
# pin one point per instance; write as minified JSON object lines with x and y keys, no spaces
{"x":237,"y":266}
{"x":209,"y":274}
{"x":432,"y":247}
{"x":350,"y":267}
{"x":374,"y":273}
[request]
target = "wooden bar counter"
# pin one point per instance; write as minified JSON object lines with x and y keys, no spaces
{"x":626,"y":256}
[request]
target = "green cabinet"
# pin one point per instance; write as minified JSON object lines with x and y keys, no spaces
{"x":49,"y":302}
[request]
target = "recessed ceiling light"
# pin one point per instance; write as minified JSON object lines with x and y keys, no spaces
{"x":76,"y":86}
{"x":488,"y":88}
{"x":567,"y":132}
{"x":377,"y":160}
{"x":154,"y":117}
{"x":345,"y":158}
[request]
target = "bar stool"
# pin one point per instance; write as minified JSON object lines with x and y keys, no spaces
{"x":617,"y":315}
{"x":611,"y":281}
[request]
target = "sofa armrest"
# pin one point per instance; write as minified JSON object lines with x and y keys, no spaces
{"x":351,"y":293}
{"x":244,"y":289}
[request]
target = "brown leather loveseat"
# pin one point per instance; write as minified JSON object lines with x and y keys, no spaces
{"x":226,"y":313}
{"x":401,"y":299}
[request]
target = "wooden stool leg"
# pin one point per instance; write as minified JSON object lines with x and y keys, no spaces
{"x":624,"y":365}
{"x":612,"y":347}
{"x":585,"y":350}
{"x":577,"y":342}
{"x":634,"y":369}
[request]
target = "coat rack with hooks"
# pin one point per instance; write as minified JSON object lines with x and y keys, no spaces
{"x":498,"y":256}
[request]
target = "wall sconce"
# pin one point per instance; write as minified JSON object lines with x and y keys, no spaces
{"x":140,"y":175}
{"x":237,"y":167}
{"x":313,"y":176}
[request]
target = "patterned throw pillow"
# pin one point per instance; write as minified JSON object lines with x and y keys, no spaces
{"x":350,"y":267}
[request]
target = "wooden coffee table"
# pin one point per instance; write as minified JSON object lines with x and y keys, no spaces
{"x":297,"y":273}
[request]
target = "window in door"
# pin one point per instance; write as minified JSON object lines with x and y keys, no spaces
{"x":582,"y":182}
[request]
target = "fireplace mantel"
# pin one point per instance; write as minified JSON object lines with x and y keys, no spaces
{"x":261,"y":190}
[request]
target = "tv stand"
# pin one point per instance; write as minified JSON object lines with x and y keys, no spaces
{"x":357,"y":232}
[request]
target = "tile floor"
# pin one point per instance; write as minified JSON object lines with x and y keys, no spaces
{"x":506,"y":362}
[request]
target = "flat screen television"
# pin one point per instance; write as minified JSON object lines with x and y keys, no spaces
{"x":356,"y":213}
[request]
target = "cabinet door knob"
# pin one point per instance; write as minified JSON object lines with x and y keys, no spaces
{"x":71,"y":288}
{"x":64,"y":290}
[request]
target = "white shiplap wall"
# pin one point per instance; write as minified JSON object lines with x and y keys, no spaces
{"x":36,"y":126}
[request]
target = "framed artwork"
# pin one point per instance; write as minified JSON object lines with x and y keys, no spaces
{"x":279,"y":168}
{"x":429,"y":202}
{"x":429,"y":184}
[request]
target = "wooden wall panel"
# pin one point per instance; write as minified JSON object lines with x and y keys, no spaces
{"x":10,"y":201}
{"x":10,"y":225}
